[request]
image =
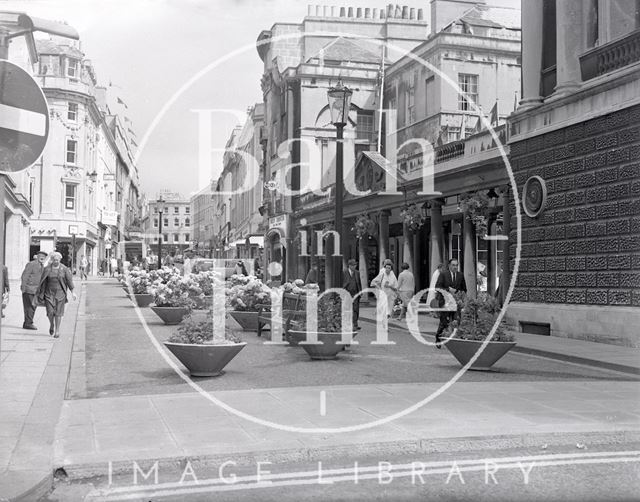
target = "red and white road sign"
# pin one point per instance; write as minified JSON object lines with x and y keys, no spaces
{"x":24,"y":119}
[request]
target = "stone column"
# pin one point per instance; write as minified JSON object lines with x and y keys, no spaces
{"x":491,"y":256}
{"x":328,"y":262}
{"x":383,"y":235}
{"x":436,"y":236}
{"x":469,"y":236}
{"x":407,"y":246}
{"x":362,"y":266}
{"x":570,"y":43}
{"x":531,"y":54}
{"x":505,"y":278}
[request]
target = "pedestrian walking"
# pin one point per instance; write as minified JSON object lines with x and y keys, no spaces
{"x":187,"y":266}
{"x":55,"y":283}
{"x":450,"y":280}
{"x":406,"y":288}
{"x":240,"y":269}
{"x":5,"y":287}
{"x":114,"y":266}
{"x":312,"y":275}
{"x":120,"y":266}
{"x":84,"y":263}
{"x":387,"y":282}
{"x":432,"y":299}
{"x":29,"y":283}
{"x":351,"y":282}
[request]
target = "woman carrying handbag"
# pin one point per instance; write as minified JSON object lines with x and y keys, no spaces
{"x":55,"y":284}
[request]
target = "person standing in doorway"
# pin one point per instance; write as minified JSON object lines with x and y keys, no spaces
{"x":55,"y":283}
{"x":29,"y":283}
{"x":84,"y":263}
{"x":451,"y":280}
{"x":406,"y":288}
{"x":351,"y":282}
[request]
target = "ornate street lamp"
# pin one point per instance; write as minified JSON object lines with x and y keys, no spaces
{"x":160,"y":205}
{"x":339,"y":104}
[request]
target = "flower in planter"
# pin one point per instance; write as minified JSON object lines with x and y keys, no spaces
{"x":203,"y":332}
{"x":173,"y":293}
{"x":247,"y":295}
{"x":329,"y":315}
{"x":413,"y":217}
{"x":477,"y":318}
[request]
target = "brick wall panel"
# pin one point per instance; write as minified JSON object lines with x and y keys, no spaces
{"x":586,"y":246}
{"x":555,"y":263}
{"x":553,"y":171}
{"x":634,"y":153}
{"x":630,"y":280}
{"x":536,"y":144}
{"x":586,"y":280}
{"x":555,"y":295}
{"x":576,"y":263}
{"x":585,"y":213}
{"x":618,"y":119}
{"x":597,"y":194}
{"x":629,"y":171}
{"x":576,"y":296}
{"x":565,"y":280}
{"x":618,"y":155}
{"x":564,"y":152}
{"x":586,"y":146}
{"x":585,"y":180}
{"x":564,"y":248}
{"x":616,"y":227}
{"x":595,"y":161}
{"x":536,"y":265}
{"x":635,"y":298}
{"x":596,"y":126}
{"x":618,"y":262}
{"x":525,"y":280}
{"x":596,"y":228}
{"x":545,"y":279}
{"x":544,"y":156}
{"x":563,"y":216}
{"x":536,"y":295}
{"x":608,"y":279}
{"x":554,"y":232}
{"x":596,"y":262}
{"x":575,"y":230}
{"x":629,"y":243}
{"x":528,"y":249}
{"x":518,"y":149}
{"x":629,"y":136}
{"x":629,"y":207}
{"x":607,"y":141}
{"x":608,"y":210}
{"x":520,"y":295}
{"x":597,"y":297}
{"x":607,"y":246}
{"x":575,"y":198}
{"x":545,"y":249}
{"x":609,"y":175}
{"x":619,"y":297}
{"x":634,"y":225}
{"x":635,"y":261}
{"x":574,"y":133}
{"x":619,"y":190}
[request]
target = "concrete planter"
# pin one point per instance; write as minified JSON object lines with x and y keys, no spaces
{"x":329,"y":349}
{"x":143,"y":300}
{"x":464,"y":350}
{"x":248,"y":321}
{"x":171,"y":315}
{"x":204,"y":360}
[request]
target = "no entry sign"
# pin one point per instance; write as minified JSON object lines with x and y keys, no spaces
{"x":24,"y":119}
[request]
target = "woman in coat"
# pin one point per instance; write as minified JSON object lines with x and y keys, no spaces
{"x":55,"y":283}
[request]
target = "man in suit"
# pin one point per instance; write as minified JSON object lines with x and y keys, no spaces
{"x":29,"y":283}
{"x":451,"y":280}
{"x":351,"y":282}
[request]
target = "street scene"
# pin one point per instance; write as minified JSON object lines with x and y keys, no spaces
{"x":289,"y":251}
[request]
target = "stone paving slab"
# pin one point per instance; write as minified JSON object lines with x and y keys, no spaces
{"x":199,"y":428}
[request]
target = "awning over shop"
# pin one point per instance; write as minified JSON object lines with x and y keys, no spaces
{"x":256,"y":240}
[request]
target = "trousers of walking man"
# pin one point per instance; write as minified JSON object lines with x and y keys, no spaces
{"x":450,"y":280}
{"x":29,"y":283}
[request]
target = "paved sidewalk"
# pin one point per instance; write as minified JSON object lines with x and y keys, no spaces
{"x":602,"y":355}
{"x":33,"y":369}
{"x":170,"y":428}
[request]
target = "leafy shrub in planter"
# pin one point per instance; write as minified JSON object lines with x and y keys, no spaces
{"x":477,"y":319}
{"x":329,"y":315}
{"x":202,"y":332}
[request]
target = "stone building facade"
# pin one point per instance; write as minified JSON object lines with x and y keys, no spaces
{"x":575,"y":154}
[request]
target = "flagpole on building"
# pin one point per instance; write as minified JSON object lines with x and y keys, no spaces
{"x":381,"y":107}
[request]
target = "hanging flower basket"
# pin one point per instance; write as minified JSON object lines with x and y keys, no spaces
{"x":412,"y":217}
{"x":363,"y":226}
{"x":475,"y":205}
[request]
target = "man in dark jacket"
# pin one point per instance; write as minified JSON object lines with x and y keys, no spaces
{"x":450,"y":280}
{"x":29,"y":286}
{"x":351,"y":282}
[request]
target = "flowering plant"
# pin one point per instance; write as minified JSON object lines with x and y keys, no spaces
{"x":413,"y":217}
{"x":203,"y":332}
{"x":474,"y":205}
{"x":363,"y":226}
{"x":173,"y":293}
{"x":247,"y":293}
{"x":477,"y":319}
{"x":296,"y":287}
{"x":139,"y":281}
{"x":329,"y":315}
{"x":205,"y":281}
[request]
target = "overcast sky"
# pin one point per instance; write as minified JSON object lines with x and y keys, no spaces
{"x":148,"y":49}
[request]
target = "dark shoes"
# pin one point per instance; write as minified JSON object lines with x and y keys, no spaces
{"x":438,"y":343}
{"x":51,"y":331}
{"x":29,"y":326}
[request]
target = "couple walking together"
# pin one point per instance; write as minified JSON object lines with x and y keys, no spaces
{"x":48,"y":286}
